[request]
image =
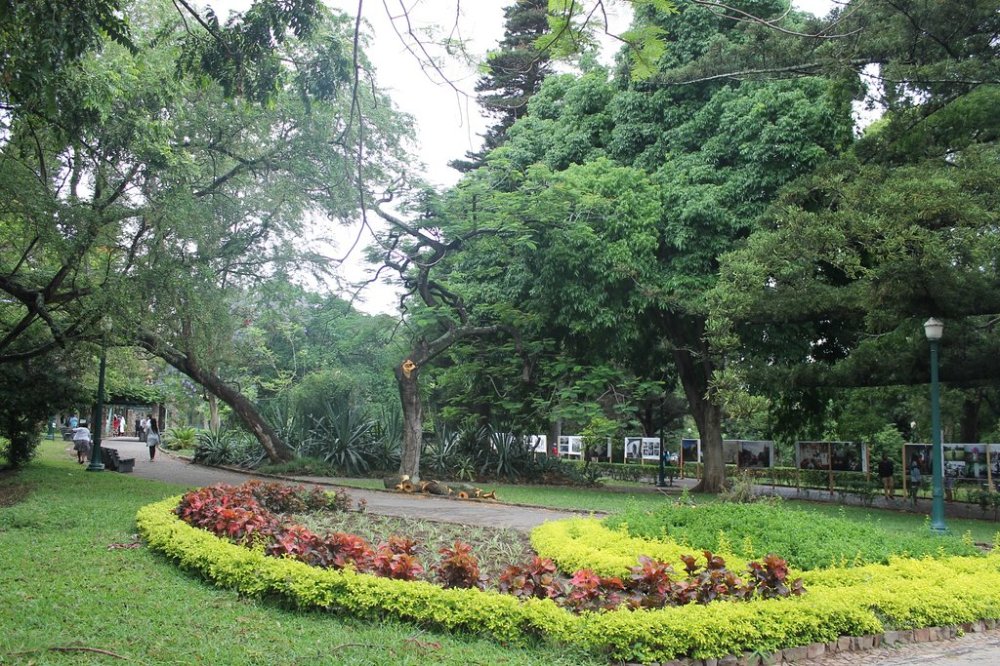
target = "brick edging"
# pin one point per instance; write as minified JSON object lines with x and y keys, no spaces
{"x":805,"y":653}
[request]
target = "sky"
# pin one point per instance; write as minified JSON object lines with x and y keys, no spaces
{"x":447,"y":119}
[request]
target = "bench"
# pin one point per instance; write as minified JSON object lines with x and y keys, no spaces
{"x":115,"y":463}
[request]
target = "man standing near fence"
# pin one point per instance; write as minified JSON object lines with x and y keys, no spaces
{"x":886,"y":470}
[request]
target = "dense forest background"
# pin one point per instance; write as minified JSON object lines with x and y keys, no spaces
{"x":701,"y":240}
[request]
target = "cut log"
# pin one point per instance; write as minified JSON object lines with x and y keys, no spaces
{"x":391,"y":482}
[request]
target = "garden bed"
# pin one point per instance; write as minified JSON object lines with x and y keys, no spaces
{"x":870,"y":600}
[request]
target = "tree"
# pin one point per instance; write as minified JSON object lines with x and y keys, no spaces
{"x":714,"y":156}
{"x":43,"y":387}
{"x":899,"y":229}
{"x":514,"y":72}
{"x":176,"y":197}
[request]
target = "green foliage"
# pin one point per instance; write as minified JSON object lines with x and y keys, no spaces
{"x":863,"y":601}
{"x":176,"y":439}
{"x":342,"y":437}
{"x":34,"y":390}
{"x":227,"y":446}
{"x":806,"y":539}
{"x":49,"y":603}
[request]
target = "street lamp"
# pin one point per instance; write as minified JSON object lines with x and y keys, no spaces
{"x":934,"y":328}
{"x":95,"y":451}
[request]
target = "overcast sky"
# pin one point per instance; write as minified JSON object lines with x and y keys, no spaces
{"x":448,"y":121}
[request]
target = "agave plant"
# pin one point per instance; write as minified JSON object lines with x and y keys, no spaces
{"x":440,"y":454}
{"x":387,"y":439}
{"x":342,"y":437}
{"x":184,"y":437}
{"x":508,"y":455}
{"x":228,"y":446}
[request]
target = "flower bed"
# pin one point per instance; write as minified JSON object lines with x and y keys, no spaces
{"x":859,"y":601}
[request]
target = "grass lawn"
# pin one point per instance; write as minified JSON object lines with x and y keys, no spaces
{"x":64,"y":588}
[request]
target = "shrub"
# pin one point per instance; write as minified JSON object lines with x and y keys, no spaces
{"x":459,"y":567}
{"x":397,"y":559}
{"x":176,"y":439}
{"x":227,"y":446}
{"x":538,"y":579}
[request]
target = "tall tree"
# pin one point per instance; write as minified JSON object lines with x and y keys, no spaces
{"x":900,"y":229}
{"x":514,"y":72}
{"x":170,"y":196}
{"x":717,"y":154}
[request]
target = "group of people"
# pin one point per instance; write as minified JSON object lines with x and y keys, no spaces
{"x":886,"y":471}
{"x":147,"y":430}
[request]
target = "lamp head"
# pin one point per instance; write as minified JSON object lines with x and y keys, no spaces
{"x":934,"y":329}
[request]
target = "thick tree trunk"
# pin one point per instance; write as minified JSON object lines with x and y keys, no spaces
{"x":276,"y":449}
{"x":246,"y":411}
{"x":970,"y":417}
{"x":555,"y":432}
{"x":407,"y":376}
{"x":214,"y":420}
{"x":695,"y":367}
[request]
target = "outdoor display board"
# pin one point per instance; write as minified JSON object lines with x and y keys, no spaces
{"x":571,"y":446}
{"x":739,"y":452}
{"x":748,"y":453}
{"x":537,"y":443}
{"x":964,"y":463}
{"x":642,"y":449}
{"x":832,"y":456}
{"x":690,"y":450}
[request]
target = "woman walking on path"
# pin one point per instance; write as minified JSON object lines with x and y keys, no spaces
{"x":152,"y":438}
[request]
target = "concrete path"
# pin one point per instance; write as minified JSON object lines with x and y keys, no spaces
{"x":175,"y":470}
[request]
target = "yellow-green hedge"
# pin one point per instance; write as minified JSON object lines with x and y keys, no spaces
{"x":906,"y":593}
{"x":585,"y":543}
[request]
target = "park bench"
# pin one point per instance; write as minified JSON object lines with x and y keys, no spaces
{"x":115,"y":463}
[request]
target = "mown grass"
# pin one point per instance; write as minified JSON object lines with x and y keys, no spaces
{"x":63,"y":588}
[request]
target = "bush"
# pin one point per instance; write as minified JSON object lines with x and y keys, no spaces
{"x":228,"y":446}
{"x":176,"y":439}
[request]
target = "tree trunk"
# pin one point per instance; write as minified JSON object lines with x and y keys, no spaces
{"x":555,"y":432}
{"x":970,"y":417}
{"x":276,"y":449}
{"x":695,"y":367}
{"x":407,"y":376}
{"x":214,"y":420}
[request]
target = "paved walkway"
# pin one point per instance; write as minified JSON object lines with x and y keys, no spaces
{"x":175,"y":470}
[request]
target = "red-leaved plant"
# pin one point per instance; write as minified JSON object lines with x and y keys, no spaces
{"x":538,"y":579}
{"x":588,"y":591}
{"x":241,"y":514}
{"x":397,"y":559}
{"x":459,"y":567}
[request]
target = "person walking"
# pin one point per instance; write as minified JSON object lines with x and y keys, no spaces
{"x":81,"y":443}
{"x":886,"y":470}
{"x":915,"y":479}
{"x":144,"y":428}
{"x":138,"y":429}
{"x":152,"y":439}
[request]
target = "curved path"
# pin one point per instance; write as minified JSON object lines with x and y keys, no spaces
{"x":175,"y":470}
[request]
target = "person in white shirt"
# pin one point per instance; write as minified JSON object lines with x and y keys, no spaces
{"x":81,"y":443}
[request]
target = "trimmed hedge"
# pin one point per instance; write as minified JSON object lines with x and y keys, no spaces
{"x":585,"y":543}
{"x":903,"y":594}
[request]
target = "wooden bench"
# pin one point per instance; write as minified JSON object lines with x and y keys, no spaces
{"x":115,"y":463}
